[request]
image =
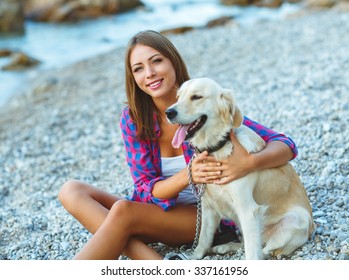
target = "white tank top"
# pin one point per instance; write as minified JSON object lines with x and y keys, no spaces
{"x":171,"y":166}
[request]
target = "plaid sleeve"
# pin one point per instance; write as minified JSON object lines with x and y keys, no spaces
{"x":270,"y":135}
{"x":144,"y":163}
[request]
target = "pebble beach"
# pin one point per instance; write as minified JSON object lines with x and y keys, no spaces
{"x":291,"y":75}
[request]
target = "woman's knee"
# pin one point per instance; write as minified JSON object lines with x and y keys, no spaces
{"x":70,"y":191}
{"x":124,"y":212}
{"x":121,"y":208}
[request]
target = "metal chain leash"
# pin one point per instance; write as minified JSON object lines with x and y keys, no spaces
{"x":198,"y":191}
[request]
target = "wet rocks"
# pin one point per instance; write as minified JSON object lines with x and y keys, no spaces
{"x":74,"y":10}
{"x":19,"y":61}
{"x":11,"y":16}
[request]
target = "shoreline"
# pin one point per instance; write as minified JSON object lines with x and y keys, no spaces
{"x":289,"y":75}
{"x":62,"y":55}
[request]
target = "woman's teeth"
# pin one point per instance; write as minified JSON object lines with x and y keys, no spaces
{"x":154,"y":85}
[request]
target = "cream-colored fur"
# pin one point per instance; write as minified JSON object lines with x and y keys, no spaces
{"x":270,"y":207}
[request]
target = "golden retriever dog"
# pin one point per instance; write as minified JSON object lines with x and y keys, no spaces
{"x":270,"y":207}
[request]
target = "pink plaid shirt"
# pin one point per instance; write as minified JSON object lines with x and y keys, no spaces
{"x":144,"y":158}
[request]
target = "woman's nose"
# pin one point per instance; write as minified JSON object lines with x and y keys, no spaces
{"x":150,"y":72}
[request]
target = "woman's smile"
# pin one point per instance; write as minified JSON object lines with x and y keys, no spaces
{"x":155,"y":85}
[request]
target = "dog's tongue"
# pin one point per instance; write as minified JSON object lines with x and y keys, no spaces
{"x":180,"y":135}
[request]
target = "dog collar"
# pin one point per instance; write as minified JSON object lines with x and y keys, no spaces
{"x":215,"y":148}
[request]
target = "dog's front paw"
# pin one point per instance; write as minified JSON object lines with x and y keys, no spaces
{"x":196,"y":255}
{"x":226,"y":248}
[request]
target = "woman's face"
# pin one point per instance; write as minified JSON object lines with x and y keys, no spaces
{"x":153,"y":72}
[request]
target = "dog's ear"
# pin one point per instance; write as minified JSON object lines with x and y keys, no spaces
{"x":229,"y":110}
{"x":237,"y":116}
{"x":225,"y":106}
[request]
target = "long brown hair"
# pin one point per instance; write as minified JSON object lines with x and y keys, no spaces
{"x":141,"y":105}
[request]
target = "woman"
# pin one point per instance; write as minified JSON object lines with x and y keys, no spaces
{"x":161,"y":207}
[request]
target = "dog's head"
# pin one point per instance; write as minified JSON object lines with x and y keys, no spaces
{"x":205,"y":112}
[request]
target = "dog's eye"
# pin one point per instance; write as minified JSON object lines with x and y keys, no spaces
{"x":196,"y":97}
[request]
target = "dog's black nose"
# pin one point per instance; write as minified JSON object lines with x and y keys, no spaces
{"x":171,"y":113}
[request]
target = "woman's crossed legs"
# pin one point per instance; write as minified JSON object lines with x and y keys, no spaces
{"x":125,"y":227}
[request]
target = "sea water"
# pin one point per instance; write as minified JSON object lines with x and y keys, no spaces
{"x":58,"y":45}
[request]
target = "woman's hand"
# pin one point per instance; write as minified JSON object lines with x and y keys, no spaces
{"x":206,"y":169}
{"x":237,"y":165}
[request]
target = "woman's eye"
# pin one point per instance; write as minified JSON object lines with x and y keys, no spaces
{"x":196,"y":97}
{"x":137,"y":69}
{"x":157,"y":60}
